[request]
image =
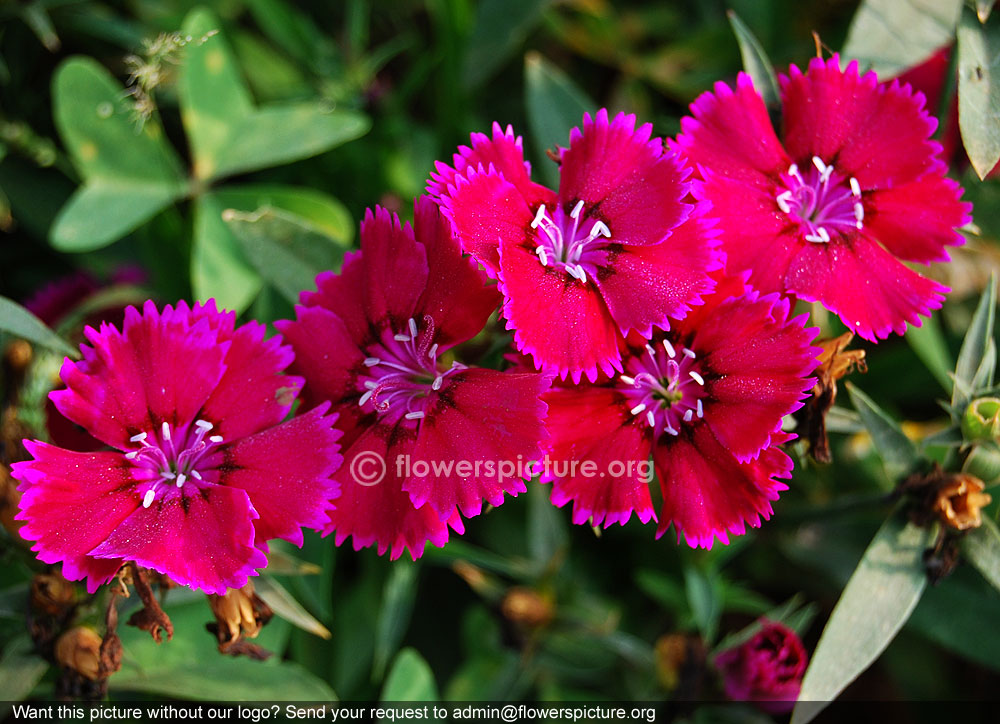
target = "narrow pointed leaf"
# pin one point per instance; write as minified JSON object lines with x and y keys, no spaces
{"x":284,"y":604}
{"x":928,"y":343}
{"x":410,"y":679}
{"x":755,"y":60}
{"x":979,"y":90}
{"x":20,"y":672}
{"x":897,"y":451}
{"x":19,"y":322}
{"x":974,"y":347}
{"x":983,"y":9}
{"x":555,"y":105}
{"x":501,"y":26}
{"x":878,"y":599}
{"x":394,"y":614}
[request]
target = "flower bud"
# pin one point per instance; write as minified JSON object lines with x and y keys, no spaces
{"x":79,"y":650}
{"x":526,"y":607}
{"x":960,"y":501}
{"x":981,"y":420}
{"x":766,"y":670}
{"x":52,"y":594}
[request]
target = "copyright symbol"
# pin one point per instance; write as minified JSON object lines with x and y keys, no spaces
{"x":509,"y":713}
{"x":368,"y":468}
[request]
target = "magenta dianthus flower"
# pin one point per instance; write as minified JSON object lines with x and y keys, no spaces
{"x":829,"y":214}
{"x":598,"y":259}
{"x":204,"y":471}
{"x":705,"y":400}
{"x":424,"y":433}
{"x":766,"y":670}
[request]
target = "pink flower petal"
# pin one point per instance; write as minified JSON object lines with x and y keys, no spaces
{"x":203,"y":541}
{"x":477,"y":441}
{"x":708,"y":494}
{"x":252,"y":394}
{"x":731,"y":134}
{"x":875,"y":133}
{"x":916,"y":221}
{"x":72,"y":502}
{"x":839,"y":275}
{"x":591,"y":426}
{"x":285,"y":471}
{"x":561,"y":322}
{"x":325,"y":354}
{"x":343,"y":292}
{"x":395,"y":268}
{"x":503,"y":151}
{"x":486,"y":210}
{"x":625,"y":179}
{"x":644,"y":285}
{"x":374,"y":510}
{"x":456,"y":296}
{"x":756,"y":369}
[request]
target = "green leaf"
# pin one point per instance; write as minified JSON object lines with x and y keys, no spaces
{"x":548,"y":538}
{"x":283,"y":563}
{"x":879,"y":597}
{"x":983,"y":9}
{"x":703,"y":598}
{"x":929,"y":345}
{"x":129,"y":175}
{"x":223,"y":677}
{"x":394,"y":614}
{"x":501,"y":26}
{"x":284,"y":604}
{"x":285,"y":251}
{"x":228,"y":133}
{"x":555,"y":105}
{"x":220,"y":268}
{"x":983,"y":462}
{"x":897,"y":451}
{"x":410,"y":679}
{"x":890,"y":36}
{"x":975,"y":346}
{"x":979,"y":90}
{"x":755,"y":60}
{"x":982,"y":549}
{"x":20,"y":671}
{"x":19,"y":322}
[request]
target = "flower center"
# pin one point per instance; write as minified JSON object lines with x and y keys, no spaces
{"x":567,"y":242}
{"x":665,"y":387}
{"x":175,"y":458}
{"x":821,"y":201}
{"x":402,"y":371}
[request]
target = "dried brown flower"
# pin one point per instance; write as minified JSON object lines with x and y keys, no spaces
{"x":835,"y":362}
{"x":960,"y":501}
{"x":527,"y":607}
{"x":79,"y":650}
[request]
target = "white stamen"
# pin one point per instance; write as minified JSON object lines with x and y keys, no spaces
{"x":824,"y":170}
{"x":671,"y":352}
{"x":672,"y":431}
{"x":138,"y":438}
{"x":697,"y":378}
{"x":166,"y":431}
{"x":203,"y":425}
{"x":793,"y":170}
{"x":196,"y":474}
{"x":689,"y":353}
{"x":542,"y":256}
{"x":216,"y":438}
{"x":370,"y":384}
{"x":180,"y":480}
{"x":601,"y":229}
{"x":401,"y":338}
{"x":652,"y":352}
{"x":168,"y":475}
{"x":701,"y":409}
{"x":539,"y":215}
{"x":650,"y":419}
{"x":688,"y":414}
{"x":855,"y":187}
{"x":413,"y":328}
{"x":132,"y":455}
{"x":859,"y":212}
{"x":432,"y":352}
{"x":147,"y":499}
{"x":783,"y":201}
{"x":436,"y":384}
{"x":365,"y":397}
{"x":371,"y":361}
{"x":413,"y":415}
{"x":821,"y":237}
{"x":581,"y":274}
{"x":638,"y":408}
{"x":575,"y":213}
{"x":628,"y":380}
